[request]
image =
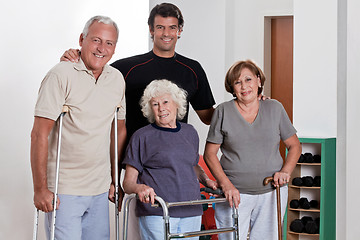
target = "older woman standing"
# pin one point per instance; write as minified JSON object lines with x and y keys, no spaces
{"x":162,"y":159}
{"x":249,"y":131}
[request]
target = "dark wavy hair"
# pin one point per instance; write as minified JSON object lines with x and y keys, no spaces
{"x":166,"y":10}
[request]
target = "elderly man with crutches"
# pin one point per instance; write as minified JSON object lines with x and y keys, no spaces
{"x":92,"y":135}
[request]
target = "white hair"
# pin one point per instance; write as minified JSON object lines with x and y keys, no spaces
{"x":158,"y":88}
{"x":100,"y":19}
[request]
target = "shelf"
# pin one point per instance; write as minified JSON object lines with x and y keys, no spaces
{"x":302,"y":187}
{"x":304,"y":234}
{"x":305,"y":210}
{"x":325,"y":194}
{"x":309,"y":164}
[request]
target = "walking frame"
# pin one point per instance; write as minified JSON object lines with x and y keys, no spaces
{"x":165,"y":207}
{"x":65,"y":109}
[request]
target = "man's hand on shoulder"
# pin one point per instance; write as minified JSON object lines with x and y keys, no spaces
{"x":71,"y":55}
{"x":263,"y":97}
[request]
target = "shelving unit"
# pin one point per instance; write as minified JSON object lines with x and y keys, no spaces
{"x":325,"y":194}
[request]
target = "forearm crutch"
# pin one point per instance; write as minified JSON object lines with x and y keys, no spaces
{"x":116,"y":175}
{"x":267,"y":180}
{"x":65,"y":109}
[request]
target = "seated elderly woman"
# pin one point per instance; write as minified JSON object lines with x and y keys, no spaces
{"x":162,"y":159}
{"x":249,"y":131}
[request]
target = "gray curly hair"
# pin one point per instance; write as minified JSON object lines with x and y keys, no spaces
{"x":159,"y":88}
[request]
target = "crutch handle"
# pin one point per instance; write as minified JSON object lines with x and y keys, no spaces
{"x":65,"y":109}
{"x":267,"y":180}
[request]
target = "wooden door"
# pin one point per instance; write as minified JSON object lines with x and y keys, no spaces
{"x":282,"y":65}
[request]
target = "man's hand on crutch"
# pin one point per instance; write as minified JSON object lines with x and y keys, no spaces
{"x":44,"y":200}
{"x":112,"y":195}
{"x":117,"y":153}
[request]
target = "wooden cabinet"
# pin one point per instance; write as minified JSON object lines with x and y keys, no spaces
{"x":325,"y":194}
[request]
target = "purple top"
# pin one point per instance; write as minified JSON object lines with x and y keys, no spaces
{"x":165,"y":159}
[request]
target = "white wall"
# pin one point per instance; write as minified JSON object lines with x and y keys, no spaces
{"x":341,"y":119}
{"x":34,"y":34}
{"x":315,"y":68}
{"x":248,"y":27}
{"x":349,"y":207}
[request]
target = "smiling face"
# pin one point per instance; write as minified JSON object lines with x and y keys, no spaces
{"x":246,"y":86}
{"x":165,"y":110}
{"x":98,"y":46}
{"x":165,"y":34}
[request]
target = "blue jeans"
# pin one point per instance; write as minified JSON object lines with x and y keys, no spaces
{"x":152,"y":227}
{"x":81,"y":218}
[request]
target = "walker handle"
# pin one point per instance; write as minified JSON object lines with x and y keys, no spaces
{"x":217,"y":191}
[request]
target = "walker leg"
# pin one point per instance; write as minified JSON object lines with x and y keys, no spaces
{"x":126,"y":215}
{"x":166,"y":227}
{"x":235,"y":216}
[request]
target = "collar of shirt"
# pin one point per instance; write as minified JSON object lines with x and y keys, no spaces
{"x":80,"y":66}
